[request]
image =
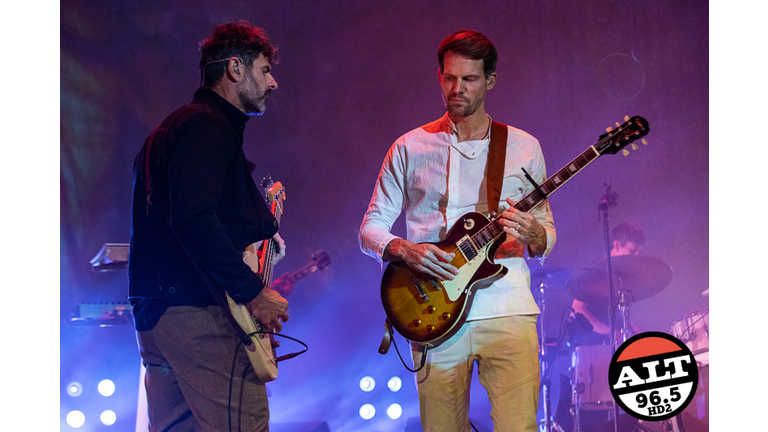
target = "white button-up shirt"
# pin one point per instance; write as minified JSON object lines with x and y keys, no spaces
{"x":436,"y":180}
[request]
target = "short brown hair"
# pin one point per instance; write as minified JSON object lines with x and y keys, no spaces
{"x":628,"y":232}
{"x":470,"y":44}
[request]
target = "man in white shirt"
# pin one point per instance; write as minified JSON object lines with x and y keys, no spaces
{"x":437,"y":173}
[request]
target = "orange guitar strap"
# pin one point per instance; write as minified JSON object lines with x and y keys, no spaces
{"x":497,"y":152}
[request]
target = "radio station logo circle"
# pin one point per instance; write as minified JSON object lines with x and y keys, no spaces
{"x":653,"y":376}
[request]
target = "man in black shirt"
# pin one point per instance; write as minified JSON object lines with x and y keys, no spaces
{"x":195,"y":210}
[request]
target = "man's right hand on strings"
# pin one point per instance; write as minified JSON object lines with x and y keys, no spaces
{"x":269,"y":308}
{"x":423,"y":257}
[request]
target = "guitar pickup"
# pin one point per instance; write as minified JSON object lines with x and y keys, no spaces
{"x":467,"y":248}
{"x":422,"y":293}
{"x":435,"y":284}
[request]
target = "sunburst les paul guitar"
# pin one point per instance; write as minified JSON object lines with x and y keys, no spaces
{"x":428,"y":311}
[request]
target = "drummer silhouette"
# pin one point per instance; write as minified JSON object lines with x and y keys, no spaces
{"x":627,"y":239}
{"x":633,"y":278}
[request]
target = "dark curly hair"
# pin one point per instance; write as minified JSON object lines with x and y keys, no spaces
{"x":237,"y":39}
{"x":470,"y":44}
{"x":628,"y":232}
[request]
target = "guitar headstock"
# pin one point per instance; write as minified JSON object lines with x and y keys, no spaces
{"x":273,"y":191}
{"x":616,"y":139}
{"x":321,"y":260}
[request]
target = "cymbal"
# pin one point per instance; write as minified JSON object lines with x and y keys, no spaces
{"x":643,"y":276}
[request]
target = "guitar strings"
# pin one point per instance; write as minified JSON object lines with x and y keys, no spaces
{"x":494,"y":229}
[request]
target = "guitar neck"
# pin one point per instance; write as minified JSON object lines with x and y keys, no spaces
{"x":301,"y":273}
{"x":553,"y":183}
{"x":494,"y":230}
{"x":270,"y":249}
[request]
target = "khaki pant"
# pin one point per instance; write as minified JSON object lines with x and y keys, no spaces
{"x":506,"y":352}
{"x":188,"y":357}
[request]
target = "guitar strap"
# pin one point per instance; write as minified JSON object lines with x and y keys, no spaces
{"x":497,"y":152}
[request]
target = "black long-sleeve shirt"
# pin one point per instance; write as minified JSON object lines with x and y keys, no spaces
{"x":195,"y":208}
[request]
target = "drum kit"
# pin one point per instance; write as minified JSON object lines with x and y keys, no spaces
{"x":634,"y":278}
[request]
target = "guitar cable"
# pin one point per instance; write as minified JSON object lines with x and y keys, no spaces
{"x":394,"y":342}
{"x":234,"y":363}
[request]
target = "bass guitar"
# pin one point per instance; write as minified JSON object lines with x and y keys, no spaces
{"x":261,"y":352}
{"x":428,"y":311}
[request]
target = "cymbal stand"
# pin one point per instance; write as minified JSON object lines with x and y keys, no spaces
{"x":625,"y":303}
{"x":549,"y":424}
{"x":608,"y":199}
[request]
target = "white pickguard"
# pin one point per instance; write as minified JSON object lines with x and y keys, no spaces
{"x":260,"y":351}
{"x":454,"y":288}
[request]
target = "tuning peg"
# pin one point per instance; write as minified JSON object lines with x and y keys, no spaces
{"x":608,"y":129}
{"x":626,"y":118}
{"x":634,"y":146}
{"x":625,"y":152}
{"x":618,"y":124}
{"x":644,"y":141}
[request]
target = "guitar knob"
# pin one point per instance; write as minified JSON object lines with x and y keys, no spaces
{"x":446,"y":315}
{"x":430,"y":328}
{"x":431,"y":309}
{"x":417,"y":322}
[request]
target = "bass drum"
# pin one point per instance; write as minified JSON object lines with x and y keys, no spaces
{"x":591,"y":394}
{"x":589,"y":372}
{"x":693,"y":331}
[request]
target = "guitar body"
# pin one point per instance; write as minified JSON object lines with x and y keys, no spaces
{"x":261,"y":352}
{"x":429,"y":311}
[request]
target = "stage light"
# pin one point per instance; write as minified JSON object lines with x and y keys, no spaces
{"x":106,"y":388}
{"x":367,"y":411}
{"x":394,"y":411}
{"x":108,"y":417}
{"x":74,"y":389}
{"x":367,"y":383}
{"x":75,"y":419}
{"x":395,"y":384}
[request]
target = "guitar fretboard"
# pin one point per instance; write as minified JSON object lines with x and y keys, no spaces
{"x":270,"y":248}
{"x":494,"y":229}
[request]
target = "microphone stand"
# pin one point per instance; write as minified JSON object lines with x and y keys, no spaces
{"x":603,"y":208}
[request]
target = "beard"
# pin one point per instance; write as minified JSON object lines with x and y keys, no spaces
{"x":252,"y":97}
{"x":458,"y":106}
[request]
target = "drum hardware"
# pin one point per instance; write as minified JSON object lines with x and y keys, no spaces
{"x":669,"y":425}
{"x":637,"y":277}
{"x":548,"y":423}
{"x":625,"y":304}
{"x":693,"y":331}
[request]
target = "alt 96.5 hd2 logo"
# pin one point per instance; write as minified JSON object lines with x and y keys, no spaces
{"x":653,"y":376}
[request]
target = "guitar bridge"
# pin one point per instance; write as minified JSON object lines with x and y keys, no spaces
{"x":422,"y":293}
